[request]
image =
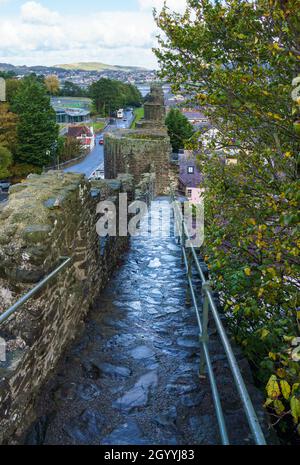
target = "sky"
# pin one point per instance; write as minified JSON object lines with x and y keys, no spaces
{"x":44,"y":32}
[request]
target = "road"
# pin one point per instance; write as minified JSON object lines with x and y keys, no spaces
{"x":95,"y":158}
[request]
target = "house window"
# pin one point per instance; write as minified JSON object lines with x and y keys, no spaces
{"x":190,"y":170}
{"x":189,"y":192}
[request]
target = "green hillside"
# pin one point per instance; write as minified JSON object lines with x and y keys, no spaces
{"x":96,"y":66}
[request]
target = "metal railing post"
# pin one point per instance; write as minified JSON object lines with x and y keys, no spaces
{"x":188,"y":298}
{"x":204,"y":337}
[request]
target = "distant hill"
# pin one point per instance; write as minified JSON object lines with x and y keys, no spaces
{"x":97,"y":66}
{"x":81,"y":67}
{"x":23,"y":69}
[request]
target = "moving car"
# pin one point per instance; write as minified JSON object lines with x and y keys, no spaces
{"x":101,"y":141}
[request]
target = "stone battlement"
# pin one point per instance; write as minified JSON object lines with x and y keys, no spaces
{"x":137,"y":151}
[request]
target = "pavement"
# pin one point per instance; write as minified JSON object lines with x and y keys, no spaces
{"x":132,"y":377}
{"x":95,"y":159}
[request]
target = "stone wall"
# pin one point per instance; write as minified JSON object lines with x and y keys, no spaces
{"x":47,"y":217}
{"x":144,"y":149}
{"x":138,"y":152}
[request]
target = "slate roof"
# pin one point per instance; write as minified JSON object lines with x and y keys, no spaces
{"x":77,"y":131}
{"x":189,"y":179}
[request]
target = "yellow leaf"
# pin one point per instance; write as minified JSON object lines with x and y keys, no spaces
{"x":264,"y":333}
{"x":281,"y":372}
{"x":285,"y":389}
{"x":295,"y":387}
{"x":260,"y":292}
{"x":268,"y":402}
{"x":272,"y":271}
{"x":273,"y":387}
{"x":279,"y":407}
{"x":247,"y":271}
{"x":296,"y":354}
{"x":272,"y":356}
{"x":295,"y":408}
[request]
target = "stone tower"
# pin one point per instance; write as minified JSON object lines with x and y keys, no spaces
{"x":144,"y":149}
{"x":154,"y":108}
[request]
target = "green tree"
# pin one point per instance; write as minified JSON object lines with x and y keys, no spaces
{"x":12,"y":86}
{"x":5,"y":162}
{"x":109,"y":95}
{"x":69,"y":148}
{"x":37,"y":128}
{"x":52,"y":84}
{"x":133,"y":97}
{"x":7,"y":74}
{"x":179,"y":128}
{"x":69,"y":89}
{"x":8,"y":128}
{"x":237,"y":59}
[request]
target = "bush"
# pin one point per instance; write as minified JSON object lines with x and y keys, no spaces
{"x":5,"y":162}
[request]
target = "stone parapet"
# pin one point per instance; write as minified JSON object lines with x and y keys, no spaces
{"x":47,"y":217}
{"x":135,"y":151}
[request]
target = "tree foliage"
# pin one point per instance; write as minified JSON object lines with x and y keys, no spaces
{"x":5,"y":162}
{"x":52,"y":84}
{"x":237,"y":59}
{"x":12,"y":86}
{"x":180,"y":129}
{"x":69,"y":148}
{"x":69,"y":89}
{"x":7,"y":74}
{"x":37,"y":128}
{"x":8,"y":128}
{"x":109,"y":95}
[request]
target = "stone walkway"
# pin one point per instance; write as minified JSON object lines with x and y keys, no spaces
{"x":132,"y":376}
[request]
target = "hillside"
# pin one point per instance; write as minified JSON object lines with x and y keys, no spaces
{"x":97,"y":66}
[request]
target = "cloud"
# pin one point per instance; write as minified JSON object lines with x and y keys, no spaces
{"x":176,"y":5}
{"x":39,"y":35}
{"x":35,"y":13}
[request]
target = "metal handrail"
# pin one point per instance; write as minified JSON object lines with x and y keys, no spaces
{"x":4,"y":316}
{"x":209,"y":303}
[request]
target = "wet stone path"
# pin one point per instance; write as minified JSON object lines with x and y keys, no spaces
{"x":132,"y":376}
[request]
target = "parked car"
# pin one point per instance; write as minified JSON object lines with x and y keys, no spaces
{"x":101,"y":141}
{"x":4,"y":185}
